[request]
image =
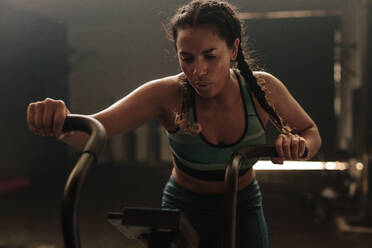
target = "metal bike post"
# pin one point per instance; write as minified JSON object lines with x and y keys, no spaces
{"x":231,"y":187}
{"x":89,"y":155}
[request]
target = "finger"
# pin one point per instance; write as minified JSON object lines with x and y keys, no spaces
{"x":59,"y":117}
{"x":31,"y":116}
{"x":39,"y":113}
{"x":279,"y":145}
{"x":48,"y":119}
{"x":31,"y":119}
{"x":287,"y":147}
{"x":277,"y":160}
{"x":302,"y":147}
{"x":294,"y":146}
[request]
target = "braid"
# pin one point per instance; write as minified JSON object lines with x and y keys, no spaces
{"x":259,"y":93}
{"x":181,"y":119}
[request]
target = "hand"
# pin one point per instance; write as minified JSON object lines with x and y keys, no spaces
{"x":289,"y":147}
{"x":46,"y":117}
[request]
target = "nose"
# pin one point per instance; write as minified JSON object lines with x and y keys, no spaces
{"x":200,"y":68}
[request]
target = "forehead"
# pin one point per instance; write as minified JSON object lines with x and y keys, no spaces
{"x":199,"y":38}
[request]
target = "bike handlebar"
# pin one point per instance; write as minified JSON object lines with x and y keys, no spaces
{"x":89,"y":155}
{"x":93,"y":148}
{"x":231,"y":185}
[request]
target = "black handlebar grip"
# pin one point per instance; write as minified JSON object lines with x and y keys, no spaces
{"x":89,"y":125}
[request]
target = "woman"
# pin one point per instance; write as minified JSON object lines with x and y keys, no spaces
{"x":209,"y":109}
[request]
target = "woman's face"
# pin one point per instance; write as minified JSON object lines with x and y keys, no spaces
{"x":205,"y":58}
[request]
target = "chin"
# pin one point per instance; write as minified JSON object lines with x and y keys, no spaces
{"x":205,"y":94}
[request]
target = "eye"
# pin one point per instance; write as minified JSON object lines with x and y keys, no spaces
{"x":210,"y":57}
{"x":186,"y":59}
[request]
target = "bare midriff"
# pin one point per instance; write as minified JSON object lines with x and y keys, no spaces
{"x":208,"y":187}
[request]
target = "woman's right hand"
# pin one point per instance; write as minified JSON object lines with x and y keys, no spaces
{"x":46,"y":117}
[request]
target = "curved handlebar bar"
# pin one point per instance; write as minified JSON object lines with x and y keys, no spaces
{"x":90,"y":153}
{"x":231,"y":185}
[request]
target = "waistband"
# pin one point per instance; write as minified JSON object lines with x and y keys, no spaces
{"x":175,"y":194}
{"x":211,"y":175}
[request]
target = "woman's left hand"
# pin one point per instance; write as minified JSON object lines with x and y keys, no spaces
{"x":289,"y":147}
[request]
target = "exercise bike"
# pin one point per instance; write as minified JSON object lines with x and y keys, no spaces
{"x":153,"y":227}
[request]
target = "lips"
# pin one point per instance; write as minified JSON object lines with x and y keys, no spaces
{"x":202,"y":82}
{"x":202,"y":85}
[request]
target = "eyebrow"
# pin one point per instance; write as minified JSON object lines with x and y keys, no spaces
{"x":204,"y":52}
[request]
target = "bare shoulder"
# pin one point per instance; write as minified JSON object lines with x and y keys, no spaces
{"x":286,"y":106}
{"x":268,"y":81}
{"x":167,"y":88}
{"x":275,"y":90}
{"x":167,"y":91}
{"x":169,"y":82}
{"x":276,"y":95}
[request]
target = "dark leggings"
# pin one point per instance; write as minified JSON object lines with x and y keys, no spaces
{"x":205,"y":214}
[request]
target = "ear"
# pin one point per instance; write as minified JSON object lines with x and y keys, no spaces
{"x":234,"y":52}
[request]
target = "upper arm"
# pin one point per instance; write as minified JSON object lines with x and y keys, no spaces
{"x":285,"y":105}
{"x":140,"y":106}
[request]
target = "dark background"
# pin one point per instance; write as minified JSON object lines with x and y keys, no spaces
{"x":91,"y":54}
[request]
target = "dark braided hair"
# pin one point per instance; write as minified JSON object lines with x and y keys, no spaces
{"x":223,"y":16}
{"x":259,"y":93}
